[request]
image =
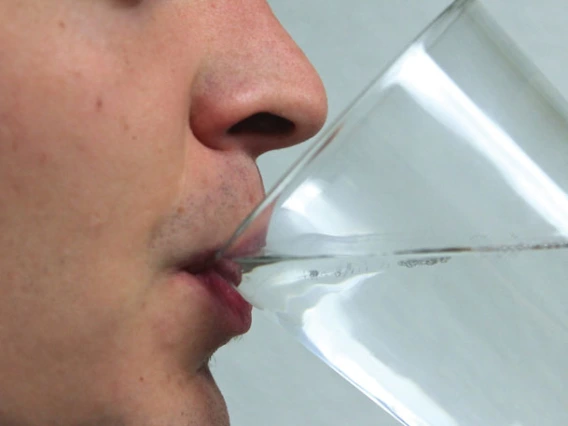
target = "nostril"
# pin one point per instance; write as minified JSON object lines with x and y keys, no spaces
{"x":263,"y":123}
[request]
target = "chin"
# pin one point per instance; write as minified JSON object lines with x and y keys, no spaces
{"x":215,"y":407}
{"x":174,"y":401}
{"x":200,"y":403}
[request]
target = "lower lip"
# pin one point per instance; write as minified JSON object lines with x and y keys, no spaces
{"x":234,"y":311}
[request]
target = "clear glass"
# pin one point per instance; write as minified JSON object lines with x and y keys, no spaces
{"x":420,"y":247}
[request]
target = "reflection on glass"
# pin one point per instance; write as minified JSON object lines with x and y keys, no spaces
{"x":420,"y":249}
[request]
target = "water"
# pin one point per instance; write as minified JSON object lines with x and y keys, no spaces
{"x":463,"y":335}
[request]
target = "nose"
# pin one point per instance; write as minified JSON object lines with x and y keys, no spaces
{"x":255,"y":91}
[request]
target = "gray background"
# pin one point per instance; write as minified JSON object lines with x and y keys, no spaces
{"x":266,"y":376}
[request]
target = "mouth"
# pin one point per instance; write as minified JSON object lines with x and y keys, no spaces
{"x":219,"y":278}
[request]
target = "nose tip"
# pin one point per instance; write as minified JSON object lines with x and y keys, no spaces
{"x":263,"y":94}
{"x":278,"y":113}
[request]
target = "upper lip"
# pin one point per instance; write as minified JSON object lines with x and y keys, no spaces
{"x":200,"y":262}
{"x":249,"y":242}
{"x":220,"y":262}
{"x":228,"y":270}
{"x":218,"y":257}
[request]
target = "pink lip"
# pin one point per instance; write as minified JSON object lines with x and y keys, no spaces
{"x":220,"y":277}
{"x":220,"y":281}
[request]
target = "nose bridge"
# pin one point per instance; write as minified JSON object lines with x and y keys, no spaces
{"x":253,"y":67}
{"x":247,"y":30}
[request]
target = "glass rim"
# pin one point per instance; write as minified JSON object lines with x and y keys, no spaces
{"x":432,"y":31}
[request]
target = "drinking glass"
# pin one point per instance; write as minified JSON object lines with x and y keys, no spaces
{"x":420,"y":247}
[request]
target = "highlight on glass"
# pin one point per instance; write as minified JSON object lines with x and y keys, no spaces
{"x":420,"y":247}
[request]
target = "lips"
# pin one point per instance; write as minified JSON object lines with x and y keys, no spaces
{"x":220,"y":277}
{"x":220,"y":281}
{"x":216,"y":273}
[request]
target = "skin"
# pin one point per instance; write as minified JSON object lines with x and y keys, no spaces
{"x":127,"y":148}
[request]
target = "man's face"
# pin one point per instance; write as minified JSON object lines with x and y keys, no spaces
{"x":128,"y":135}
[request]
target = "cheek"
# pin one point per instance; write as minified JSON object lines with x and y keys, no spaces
{"x":100,"y":146}
{"x":110,"y":178}
{"x":91,"y":159}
